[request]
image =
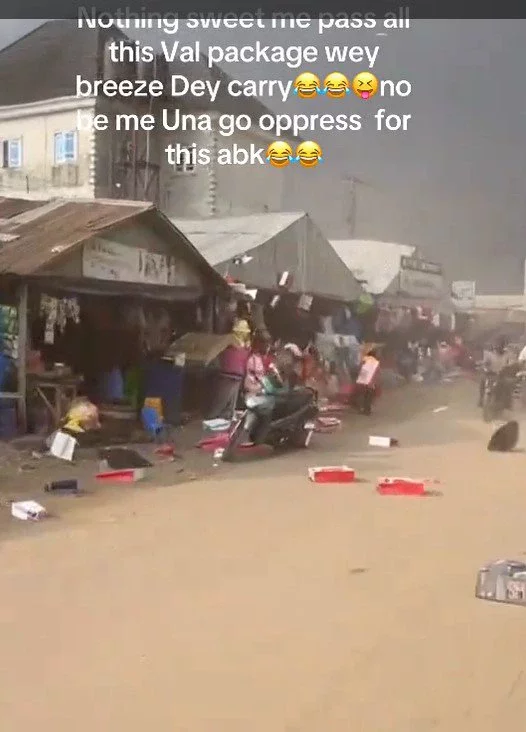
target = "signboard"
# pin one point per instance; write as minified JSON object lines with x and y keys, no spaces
{"x":108,"y":260}
{"x":420,"y":279}
{"x":419,"y":265}
{"x":463,"y":294}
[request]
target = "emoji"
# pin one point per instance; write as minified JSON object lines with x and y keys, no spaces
{"x":307,"y":85}
{"x":309,"y":154}
{"x":336,"y":85}
{"x":365,"y":85}
{"x":279,"y":154}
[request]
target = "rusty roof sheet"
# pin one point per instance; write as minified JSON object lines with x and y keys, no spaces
{"x":35,"y":238}
{"x":10,"y":207}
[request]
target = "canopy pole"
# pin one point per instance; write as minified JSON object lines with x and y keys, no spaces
{"x":22,"y":358}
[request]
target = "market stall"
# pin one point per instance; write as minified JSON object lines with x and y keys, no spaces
{"x":100,"y":289}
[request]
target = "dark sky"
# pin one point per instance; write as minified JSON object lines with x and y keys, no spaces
{"x":454,"y":183}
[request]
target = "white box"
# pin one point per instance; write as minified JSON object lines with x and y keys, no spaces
{"x":28,"y":510}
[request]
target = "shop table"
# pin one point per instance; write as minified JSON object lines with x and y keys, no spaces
{"x":56,"y":391}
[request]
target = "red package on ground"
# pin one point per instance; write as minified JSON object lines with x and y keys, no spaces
{"x":400,"y":487}
{"x":332,"y":474}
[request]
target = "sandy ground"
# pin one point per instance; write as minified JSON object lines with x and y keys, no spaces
{"x":259,"y":601}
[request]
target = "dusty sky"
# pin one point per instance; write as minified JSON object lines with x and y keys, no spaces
{"x":454,"y":183}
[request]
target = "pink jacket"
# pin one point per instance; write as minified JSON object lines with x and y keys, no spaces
{"x":233,"y":361}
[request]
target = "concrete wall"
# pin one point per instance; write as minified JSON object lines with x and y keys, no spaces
{"x":209,"y":190}
{"x":219,"y":190}
{"x":112,"y":179}
{"x":35,"y":125}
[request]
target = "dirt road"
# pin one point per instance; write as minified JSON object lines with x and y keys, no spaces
{"x":258,"y":601}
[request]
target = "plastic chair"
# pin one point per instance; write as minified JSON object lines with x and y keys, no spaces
{"x":152,"y":423}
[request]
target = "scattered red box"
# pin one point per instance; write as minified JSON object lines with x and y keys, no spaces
{"x":332,"y":474}
{"x":400,"y":487}
{"x":122,"y":476}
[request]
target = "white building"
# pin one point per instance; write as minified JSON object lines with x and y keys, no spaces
{"x":45,"y":154}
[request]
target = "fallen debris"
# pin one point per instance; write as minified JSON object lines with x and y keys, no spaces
{"x":62,"y":446}
{"x":377,"y":441}
{"x":439,"y":409}
{"x":328,"y":424}
{"x":123,"y":458}
{"x":400,"y":487}
{"x":122,"y":476}
{"x":505,"y":438}
{"x":28,"y":511}
{"x":62,"y":486}
{"x":502,"y":581}
{"x":216,"y":425}
{"x":332,"y":474}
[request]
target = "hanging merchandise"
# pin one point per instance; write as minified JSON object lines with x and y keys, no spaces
{"x":305,"y":302}
{"x":57,"y":312}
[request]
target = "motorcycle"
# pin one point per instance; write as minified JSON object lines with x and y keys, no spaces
{"x":499,"y":392}
{"x":291,"y":422}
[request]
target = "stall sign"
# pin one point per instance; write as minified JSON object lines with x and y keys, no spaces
{"x":420,"y":279}
{"x":463,"y":293}
{"x":108,"y":260}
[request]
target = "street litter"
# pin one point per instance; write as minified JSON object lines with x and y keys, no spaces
{"x":217,"y":425}
{"x":218,"y":456}
{"x":28,"y":511}
{"x":502,"y":581}
{"x":332,"y":474}
{"x":505,"y":438}
{"x":62,"y":446}
{"x":123,"y":458}
{"x":122,"y":476}
{"x":328,"y":424}
{"x":62,"y":486}
{"x":167,"y":451}
{"x":400,"y":487}
{"x":378,"y":441}
{"x":439,"y":409}
{"x":331,"y":407}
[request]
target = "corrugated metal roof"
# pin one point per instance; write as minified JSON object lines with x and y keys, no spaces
{"x":374,"y":263}
{"x":53,"y":228}
{"x":221,"y":239}
{"x":10,"y":207}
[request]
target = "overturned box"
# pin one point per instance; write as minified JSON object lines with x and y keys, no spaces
{"x":502,"y":581}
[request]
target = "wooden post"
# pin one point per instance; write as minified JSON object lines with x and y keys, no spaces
{"x":22,"y":357}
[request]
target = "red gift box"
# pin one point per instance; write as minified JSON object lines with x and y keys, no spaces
{"x":332,"y":474}
{"x":400,"y":487}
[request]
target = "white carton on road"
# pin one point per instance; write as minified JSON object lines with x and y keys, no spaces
{"x":28,"y":510}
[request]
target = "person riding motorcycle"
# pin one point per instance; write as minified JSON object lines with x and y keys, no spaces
{"x":494,"y":364}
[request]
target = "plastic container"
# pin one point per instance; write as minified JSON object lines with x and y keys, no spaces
{"x":332,"y":474}
{"x":400,"y":487}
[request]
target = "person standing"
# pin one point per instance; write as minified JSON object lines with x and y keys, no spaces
{"x":232,"y":370}
{"x":367,"y":382}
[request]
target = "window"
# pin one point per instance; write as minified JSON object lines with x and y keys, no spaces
{"x":65,"y":147}
{"x":11,"y":153}
{"x":185,"y":160}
